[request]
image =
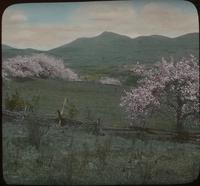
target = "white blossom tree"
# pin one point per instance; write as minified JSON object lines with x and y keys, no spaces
{"x":37,"y":65}
{"x":173,"y":84}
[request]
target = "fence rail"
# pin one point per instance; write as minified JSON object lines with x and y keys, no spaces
{"x":158,"y":134}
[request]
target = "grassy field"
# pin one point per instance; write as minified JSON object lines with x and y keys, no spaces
{"x":66,"y":156}
{"x":101,"y":101}
{"x":53,"y":155}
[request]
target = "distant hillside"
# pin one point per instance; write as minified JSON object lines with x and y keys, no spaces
{"x":8,"y":51}
{"x":113,"y":49}
{"x":110,"y":48}
{"x":6,"y":47}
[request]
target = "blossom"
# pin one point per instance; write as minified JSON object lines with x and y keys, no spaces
{"x":162,"y":83}
{"x":37,"y":65}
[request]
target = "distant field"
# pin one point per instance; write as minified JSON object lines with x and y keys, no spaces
{"x":102,"y":101}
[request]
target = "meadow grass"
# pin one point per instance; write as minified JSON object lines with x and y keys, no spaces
{"x":97,"y":100}
{"x":102,"y":101}
{"x":58,"y":155}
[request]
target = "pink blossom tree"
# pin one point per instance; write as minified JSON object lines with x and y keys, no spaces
{"x":37,"y":65}
{"x":173,"y":84}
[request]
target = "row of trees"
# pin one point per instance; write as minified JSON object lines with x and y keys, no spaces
{"x":37,"y":65}
{"x":174,"y":84}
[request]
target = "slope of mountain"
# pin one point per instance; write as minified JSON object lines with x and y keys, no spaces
{"x":8,"y":51}
{"x":113,"y":49}
{"x":103,"y":49}
{"x":6,"y":47}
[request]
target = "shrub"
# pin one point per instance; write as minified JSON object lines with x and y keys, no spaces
{"x":72,"y":111}
{"x":16,"y":102}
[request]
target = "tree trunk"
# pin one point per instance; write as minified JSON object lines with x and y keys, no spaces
{"x":179,"y":113}
{"x":179,"y":121}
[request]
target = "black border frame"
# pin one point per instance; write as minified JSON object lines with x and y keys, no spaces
{"x":6,"y":3}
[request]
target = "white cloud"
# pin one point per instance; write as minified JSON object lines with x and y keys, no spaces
{"x":97,"y":17}
{"x":11,"y":17}
{"x":166,"y":20}
{"x":92,"y":18}
{"x":18,"y":17}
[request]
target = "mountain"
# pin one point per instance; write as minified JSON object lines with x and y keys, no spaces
{"x":106,"y":54}
{"x":8,"y":51}
{"x":113,"y":49}
{"x":110,"y":48}
{"x":98,"y":50}
{"x":6,"y":47}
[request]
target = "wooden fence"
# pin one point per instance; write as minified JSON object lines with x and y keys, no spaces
{"x":97,"y":129}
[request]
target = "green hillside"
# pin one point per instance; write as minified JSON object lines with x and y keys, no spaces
{"x":113,"y":49}
{"x":8,"y":52}
{"x":105,"y":54}
{"x":110,"y":48}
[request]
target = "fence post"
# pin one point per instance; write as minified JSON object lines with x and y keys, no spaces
{"x":97,"y":127}
{"x":60,"y":114}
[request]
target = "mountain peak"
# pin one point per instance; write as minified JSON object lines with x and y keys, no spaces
{"x":107,"y":33}
{"x":112,"y":35}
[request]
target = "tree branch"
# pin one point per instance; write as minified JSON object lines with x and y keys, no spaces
{"x":188,"y":114}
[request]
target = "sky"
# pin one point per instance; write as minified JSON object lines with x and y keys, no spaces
{"x":45,"y":26}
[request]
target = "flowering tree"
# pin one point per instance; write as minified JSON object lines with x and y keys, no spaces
{"x":173,"y":84}
{"x":37,"y":65}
